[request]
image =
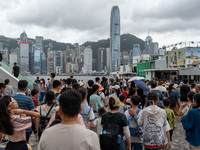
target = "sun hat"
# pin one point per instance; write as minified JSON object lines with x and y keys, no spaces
{"x":117,"y":103}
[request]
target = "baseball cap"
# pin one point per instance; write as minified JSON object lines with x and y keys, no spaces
{"x":116,"y":87}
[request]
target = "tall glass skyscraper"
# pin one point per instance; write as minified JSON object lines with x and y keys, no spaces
{"x":115,"y":38}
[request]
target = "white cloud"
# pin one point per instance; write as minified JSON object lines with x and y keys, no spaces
{"x":168,"y":21}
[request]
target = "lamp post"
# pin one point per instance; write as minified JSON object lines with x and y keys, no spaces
{"x":191,"y":43}
{"x":197,"y":43}
{"x":182,"y":43}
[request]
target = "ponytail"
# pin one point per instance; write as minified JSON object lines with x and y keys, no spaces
{"x":154,"y":109}
{"x":5,"y":120}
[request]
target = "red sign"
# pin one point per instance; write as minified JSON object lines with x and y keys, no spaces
{"x":24,"y":42}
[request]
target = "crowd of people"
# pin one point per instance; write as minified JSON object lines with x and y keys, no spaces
{"x":102,"y":114}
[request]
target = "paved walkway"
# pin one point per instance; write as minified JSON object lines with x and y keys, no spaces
{"x":178,"y":139}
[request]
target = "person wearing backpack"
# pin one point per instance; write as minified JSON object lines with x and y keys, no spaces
{"x":115,"y":127}
{"x":86,"y":112}
{"x":174,"y":97}
{"x":68,"y":135}
{"x":155,"y":126}
{"x":135,"y":130}
{"x":56,"y":89}
{"x":46,"y":111}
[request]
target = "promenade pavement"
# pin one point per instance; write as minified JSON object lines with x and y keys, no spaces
{"x":178,"y":139}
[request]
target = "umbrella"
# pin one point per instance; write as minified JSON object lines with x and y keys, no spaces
{"x":141,"y":85}
{"x":136,"y":78}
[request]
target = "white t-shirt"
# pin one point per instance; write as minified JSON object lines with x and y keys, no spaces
{"x":153,"y":121}
{"x":186,"y":108}
{"x":161,"y":88}
{"x":97,"y":124}
{"x":68,"y":137}
{"x":45,"y":109}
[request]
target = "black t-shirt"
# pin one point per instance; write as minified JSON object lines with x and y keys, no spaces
{"x":183,"y":92}
{"x":112,"y":117}
{"x":16,"y":70}
{"x":90,"y":92}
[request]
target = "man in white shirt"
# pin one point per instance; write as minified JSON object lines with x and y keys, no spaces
{"x":161,"y":87}
{"x":68,"y":134}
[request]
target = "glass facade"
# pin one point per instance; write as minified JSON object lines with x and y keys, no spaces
{"x":37,"y":61}
{"x":115,"y":38}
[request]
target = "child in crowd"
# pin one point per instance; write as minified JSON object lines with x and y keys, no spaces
{"x":136,"y":140}
{"x":97,"y":122}
{"x":35,"y":94}
{"x":86,"y":112}
{"x":95,"y":100}
{"x":191,"y":122}
{"x":183,"y":109}
{"x":153,"y":121}
{"x":122,"y":108}
{"x":13,"y":125}
{"x":170,"y":116}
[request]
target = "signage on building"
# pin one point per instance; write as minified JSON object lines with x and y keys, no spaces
{"x":176,"y":57}
{"x":192,"y":56}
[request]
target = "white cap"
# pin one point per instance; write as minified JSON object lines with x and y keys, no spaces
{"x":116,"y":87}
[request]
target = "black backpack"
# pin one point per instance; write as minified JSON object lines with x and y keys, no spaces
{"x":109,"y":136}
{"x":57,"y":120}
{"x":43,"y":121}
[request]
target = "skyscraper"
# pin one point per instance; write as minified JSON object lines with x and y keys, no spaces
{"x":87,"y":60}
{"x":58,"y":61}
{"x":39,"y":43}
{"x":136,"y":49}
{"x":24,"y":56}
{"x":115,"y":38}
{"x":23,"y":37}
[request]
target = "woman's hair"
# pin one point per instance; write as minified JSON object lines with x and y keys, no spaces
{"x":171,"y":87}
{"x":43,"y":80}
{"x":117,"y":92}
{"x":122,"y":98}
{"x":111,"y":103}
{"x":83,"y":92}
{"x":131,"y":91}
{"x":196,"y":98}
{"x":7,"y":81}
{"x":6,"y":126}
{"x":190,"y":95}
{"x":193,"y":85}
{"x":49,"y":97}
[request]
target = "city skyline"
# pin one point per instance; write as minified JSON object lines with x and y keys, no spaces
{"x":167,"y":21}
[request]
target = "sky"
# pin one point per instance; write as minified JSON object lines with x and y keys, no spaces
{"x":77,"y":21}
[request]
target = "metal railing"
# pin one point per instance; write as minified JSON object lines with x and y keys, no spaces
{"x":22,"y":75}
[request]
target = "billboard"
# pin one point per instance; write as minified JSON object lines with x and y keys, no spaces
{"x":176,"y":57}
{"x":192,"y":55}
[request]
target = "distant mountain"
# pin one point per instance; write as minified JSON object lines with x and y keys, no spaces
{"x":127,"y":41}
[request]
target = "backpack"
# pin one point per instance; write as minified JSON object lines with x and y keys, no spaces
{"x":172,"y":100}
{"x":110,"y":134}
{"x":43,"y":121}
{"x":57,"y":120}
{"x":135,"y":131}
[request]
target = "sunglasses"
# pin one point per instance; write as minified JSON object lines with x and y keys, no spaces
{"x":12,"y":101}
